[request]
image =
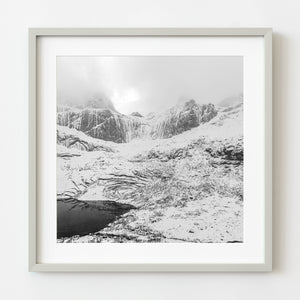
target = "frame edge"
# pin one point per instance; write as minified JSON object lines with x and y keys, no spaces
{"x":268,"y":149}
{"x":32,"y":155}
{"x":167,"y":31}
{"x":143,"y":268}
{"x":33,"y":34}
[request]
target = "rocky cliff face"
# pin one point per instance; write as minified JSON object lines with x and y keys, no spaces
{"x":182,"y":118}
{"x":110,"y":125}
{"x":103,"y":124}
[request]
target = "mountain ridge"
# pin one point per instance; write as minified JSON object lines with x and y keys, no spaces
{"x":109,"y":125}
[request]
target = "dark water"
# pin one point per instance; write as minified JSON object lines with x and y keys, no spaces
{"x":76,"y":217}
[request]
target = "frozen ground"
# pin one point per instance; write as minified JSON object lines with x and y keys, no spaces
{"x":186,"y":188}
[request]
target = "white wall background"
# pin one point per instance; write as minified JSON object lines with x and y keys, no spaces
{"x":16,"y":16}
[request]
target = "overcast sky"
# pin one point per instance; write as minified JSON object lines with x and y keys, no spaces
{"x":148,"y":84}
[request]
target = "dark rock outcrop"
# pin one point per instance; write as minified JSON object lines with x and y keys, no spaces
{"x":229,"y":151}
{"x":116,"y":128}
{"x":136,"y":114}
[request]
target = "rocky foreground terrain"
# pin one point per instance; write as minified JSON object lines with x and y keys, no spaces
{"x":181,"y":171}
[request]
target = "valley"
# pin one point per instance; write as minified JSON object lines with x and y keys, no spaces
{"x":179,"y":173}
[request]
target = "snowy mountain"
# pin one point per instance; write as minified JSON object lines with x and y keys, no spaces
{"x":109,"y":125}
{"x":104,"y":124}
{"x":181,"y":172}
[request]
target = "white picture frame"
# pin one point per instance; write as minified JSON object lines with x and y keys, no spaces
{"x":35,"y":265}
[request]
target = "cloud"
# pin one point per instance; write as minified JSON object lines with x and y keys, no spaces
{"x":148,"y":84}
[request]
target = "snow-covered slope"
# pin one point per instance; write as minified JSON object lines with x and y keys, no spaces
{"x":182,"y":170}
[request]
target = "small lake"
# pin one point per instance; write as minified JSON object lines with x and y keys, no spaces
{"x":76,"y":217}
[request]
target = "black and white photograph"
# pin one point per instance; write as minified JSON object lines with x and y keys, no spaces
{"x":149,"y":149}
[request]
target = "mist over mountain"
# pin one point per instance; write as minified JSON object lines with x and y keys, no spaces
{"x":148,"y":83}
{"x":232,"y":100}
{"x":98,"y":102}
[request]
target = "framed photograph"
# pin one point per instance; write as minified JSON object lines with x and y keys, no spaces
{"x":150,"y":149}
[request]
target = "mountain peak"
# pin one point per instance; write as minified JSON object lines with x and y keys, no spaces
{"x":100,"y":103}
{"x":136,"y":114}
